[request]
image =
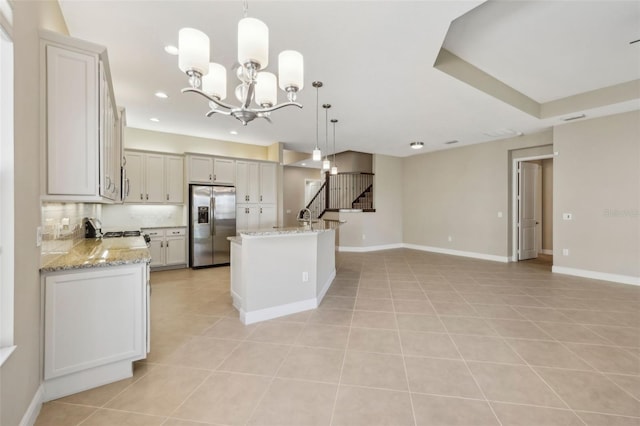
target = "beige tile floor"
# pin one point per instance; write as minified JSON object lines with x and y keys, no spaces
{"x":402,"y":338}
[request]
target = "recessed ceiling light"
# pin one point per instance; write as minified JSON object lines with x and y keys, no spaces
{"x":155,"y":120}
{"x":451,"y":142}
{"x":233,"y":132}
{"x":416,"y":145}
{"x":171,"y":49}
{"x":161,"y":95}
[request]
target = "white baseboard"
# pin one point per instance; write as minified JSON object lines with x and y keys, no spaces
{"x":624,"y":279}
{"x":325,"y":287}
{"x":277,"y":311}
{"x":545,"y":251}
{"x":482,"y":256}
{"x":30,"y":416}
{"x":370,"y":248}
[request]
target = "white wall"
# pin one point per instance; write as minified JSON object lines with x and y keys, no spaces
{"x":597,"y":180}
{"x":20,"y":376}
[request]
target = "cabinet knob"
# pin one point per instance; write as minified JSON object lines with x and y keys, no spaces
{"x":210,"y":177}
{"x":261,"y":198}
{"x":147,"y":196}
{"x":141,"y":197}
{"x":167,"y":243}
{"x":260,"y":210}
{"x":214,"y":177}
{"x":167,"y":197}
{"x":161,"y":244}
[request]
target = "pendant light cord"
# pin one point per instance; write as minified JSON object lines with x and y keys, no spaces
{"x":334,"y":143}
{"x":317,"y":119}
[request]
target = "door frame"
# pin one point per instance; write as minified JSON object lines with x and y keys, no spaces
{"x":514,"y":200}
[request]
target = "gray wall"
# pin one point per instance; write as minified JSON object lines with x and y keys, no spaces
{"x":459,"y":192}
{"x":597,"y":179}
{"x":547,"y":204}
{"x":293,"y":191}
{"x":20,"y":375}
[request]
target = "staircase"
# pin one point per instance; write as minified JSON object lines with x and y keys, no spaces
{"x":344,"y":191}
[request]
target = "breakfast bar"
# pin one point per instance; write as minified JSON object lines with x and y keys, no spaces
{"x":282,"y":271}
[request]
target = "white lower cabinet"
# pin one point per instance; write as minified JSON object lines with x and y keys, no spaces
{"x":168,"y":246}
{"x":95,"y":326}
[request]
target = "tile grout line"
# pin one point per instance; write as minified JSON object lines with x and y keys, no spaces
{"x":462,"y":357}
{"x":344,"y":357}
{"x":404,"y":361}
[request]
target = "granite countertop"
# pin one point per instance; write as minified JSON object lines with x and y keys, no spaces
{"x":97,"y":253}
{"x":163,"y":227}
{"x":315,"y":228}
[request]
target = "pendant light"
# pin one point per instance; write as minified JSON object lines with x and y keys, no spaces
{"x":326,"y":164}
{"x":317,"y":154}
{"x":334,"y":169}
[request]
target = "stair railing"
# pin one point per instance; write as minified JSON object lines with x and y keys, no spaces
{"x":343,"y":191}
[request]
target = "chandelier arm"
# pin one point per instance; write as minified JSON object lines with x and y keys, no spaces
{"x":217,"y":111}
{"x":251,"y":87}
{"x":211,"y":98}
{"x":278,"y":106}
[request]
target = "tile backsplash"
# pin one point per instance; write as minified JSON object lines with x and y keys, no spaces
{"x":62,"y":226}
{"x":142,"y":216}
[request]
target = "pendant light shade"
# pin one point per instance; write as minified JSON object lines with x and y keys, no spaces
{"x":326,"y":164}
{"x":253,"y":42}
{"x":193,"y":47}
{"x":317,"y":155}
{"x":334,"y":170}
{"x":266,"y":89}
{"x":215,"y":82}
{"x":291,"y":69}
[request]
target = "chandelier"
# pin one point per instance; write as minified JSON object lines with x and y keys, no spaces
{"x":257,"y":91}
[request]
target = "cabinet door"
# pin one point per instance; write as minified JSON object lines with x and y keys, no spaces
{"x":247,"y":182}
{"x":224,"y":171}
{"x":268,"y":183}
{"x":268,"y":217}
{"x":154,"y":178}
{"x":156,"y":249}
{"x":176,"y":250}
{"x":200,"y":169}
{"x":175,"y":180}
{"x":135,"y":177}
{"x":72,"y":123}
{"x":94,"y":318}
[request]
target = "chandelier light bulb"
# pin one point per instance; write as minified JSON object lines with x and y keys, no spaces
{"x":253,"y":42}
{"x":291,"y":70}
{"x":193,"y":48}
{"x":266,"y":89}
{"x":215,"y":82}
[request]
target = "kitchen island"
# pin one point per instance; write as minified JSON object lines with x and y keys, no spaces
{"x":95,"y":313}
{"x":281,"y":271}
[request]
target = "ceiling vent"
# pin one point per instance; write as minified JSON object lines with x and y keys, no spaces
{"x":575,"y":117}
{"x":503,"y":133}
{"x":451,"y":142}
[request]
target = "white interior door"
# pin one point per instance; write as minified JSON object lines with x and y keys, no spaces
{"x":529,"y":189}
{"x":311,"y":187}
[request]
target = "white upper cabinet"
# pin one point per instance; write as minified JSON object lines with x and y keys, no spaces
{"x":224,"y":171}
{"x":211,"y":170}
{"x":247,"y":182}
{"x":200,"y":169}
{"x":268,"y":183}
{"x":174,"y":179}
{"x":154,"y":178}
{"x":81,"y":121}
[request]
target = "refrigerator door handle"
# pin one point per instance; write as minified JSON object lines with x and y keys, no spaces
{"x":212,"y":215}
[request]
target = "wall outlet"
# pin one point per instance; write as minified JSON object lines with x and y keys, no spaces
{"x":450,"y":238}
{"x":305,"y":277}
{"x":565,"y":252}
{"x":288,"y":211}
{"x":499,"y":214}
{"x":567,"y":216}
{"x":364,"y":237}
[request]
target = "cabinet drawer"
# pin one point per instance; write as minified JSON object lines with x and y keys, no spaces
{"x":172,"y":232}
{"x":154,"y":232}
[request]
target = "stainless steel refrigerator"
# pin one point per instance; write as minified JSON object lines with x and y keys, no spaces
{"x":212,"y":213}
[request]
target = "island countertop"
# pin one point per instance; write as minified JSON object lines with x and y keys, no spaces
{"x":314,"y":228}
{"x":97,"y":252}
